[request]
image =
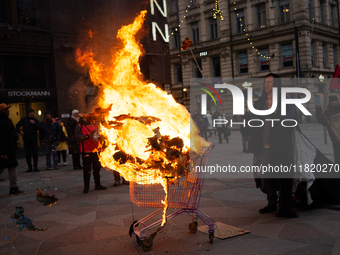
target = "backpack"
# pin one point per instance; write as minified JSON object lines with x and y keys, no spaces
{"x":63,"y":137}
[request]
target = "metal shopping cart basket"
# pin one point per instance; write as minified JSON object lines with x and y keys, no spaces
{"x":184,"y":196}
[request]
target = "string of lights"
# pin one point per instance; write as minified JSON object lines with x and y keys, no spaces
{"x":182,"y":20}
{"x":217,"y":12}
{"x":248,"y":36}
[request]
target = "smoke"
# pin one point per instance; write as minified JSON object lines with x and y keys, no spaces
{"x":98,"y":31}
{"x":77,"y":96}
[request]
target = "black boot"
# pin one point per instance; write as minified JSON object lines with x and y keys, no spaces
{"x":98,"y":186}
{"x":16,"y":192}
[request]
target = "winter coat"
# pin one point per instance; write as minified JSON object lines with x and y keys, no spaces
{"x":62,"y":145}
{"x":86,"y":144}
{"x":221,"y":117}
{"x":30,"y":130}
{"x":280,"y":138}
{"x":209,"y":116}
{"x":202,"y":122}
{"x":7,"y":142}
{"x":50,"y":134}
{"x":73,"y":143}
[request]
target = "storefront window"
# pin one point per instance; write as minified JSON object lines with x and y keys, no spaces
{"x":19,"y":111}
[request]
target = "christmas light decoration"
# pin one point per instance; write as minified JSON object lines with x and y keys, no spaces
{"x":250,"y":42}
{"x":217,"y":10}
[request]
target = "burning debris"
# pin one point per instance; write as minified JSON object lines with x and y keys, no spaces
{"x":146,"y":133}
{"x":186,"y":44}
{"x":22,"y":221}
{"x":45,"y":198}
{"x":166,"y":154}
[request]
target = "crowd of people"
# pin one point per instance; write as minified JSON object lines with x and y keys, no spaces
{"x":271,"y":144}
{"x":206,"y":125}
{"x":78,"y":137}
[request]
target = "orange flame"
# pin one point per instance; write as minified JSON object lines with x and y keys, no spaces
{"x":123,"y":86}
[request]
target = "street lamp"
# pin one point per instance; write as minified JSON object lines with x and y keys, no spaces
{"x":321,"y":78}
{"x":185,"y":93}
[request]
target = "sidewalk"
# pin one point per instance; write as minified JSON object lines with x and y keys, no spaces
{"x":98,"y":222}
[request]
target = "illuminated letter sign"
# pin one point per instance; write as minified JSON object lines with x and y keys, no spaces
{"x":165,"y":37}
{"x":155,"y":26}
{"x":164,"y":12}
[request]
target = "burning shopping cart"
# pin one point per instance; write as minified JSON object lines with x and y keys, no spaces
{"x":183,"y":195}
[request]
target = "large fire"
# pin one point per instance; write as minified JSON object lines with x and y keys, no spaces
{"x":147,"y":132}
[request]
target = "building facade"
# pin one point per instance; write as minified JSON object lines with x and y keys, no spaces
{"x":38,"y":41}
{"x":293,"y":38}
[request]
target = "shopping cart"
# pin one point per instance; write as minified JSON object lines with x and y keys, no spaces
{"x":183,"y":195}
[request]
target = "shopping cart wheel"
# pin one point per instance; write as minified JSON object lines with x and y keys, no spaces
{"x":211,"y":237}
{"x":193,"y":227}
{"x":147,"y":244}
{"x":138,"y":240}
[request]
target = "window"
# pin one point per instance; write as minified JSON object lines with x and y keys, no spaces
{"x":176,"y":38}
{"x":195,"y":32}
{"x":322,"y":12}
{"x":318,"y":89}
{"x":197,"y":73}
{"x":173,"y":6}
{"x":178,"y":73}
{"x":216,"y":66}
{"x":213,"y":28}
{"x":335,"y":59}
{"x":192,"y":2}
{"x":284,"y":11}
{"x":261,"y":15}
{"x":27,"y":15}
{"x":333,"y":15}
{"x":310,"y":9}
{"x":240,"y":25}
{"x":24,"y":72}
{"x":243,"y":63}
{"x":264,"y":60}
{"x":324,"y":55}
{"x":312,"y":53}
{"x":287,"y":55}
{"x":2,"y":11}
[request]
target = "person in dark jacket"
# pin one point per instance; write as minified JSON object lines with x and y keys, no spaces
{"x":203,"y":124}
{"x":50,"y":136}
{"x":30,"y":126}
{"x":245,"y":132}
{"x":7,"y":151}
{"x":87,"y":135}
{"x":72,"y":122}
{"x":272,"y":145}
{"x":222,"y":129}
{"x":332,"y":109}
